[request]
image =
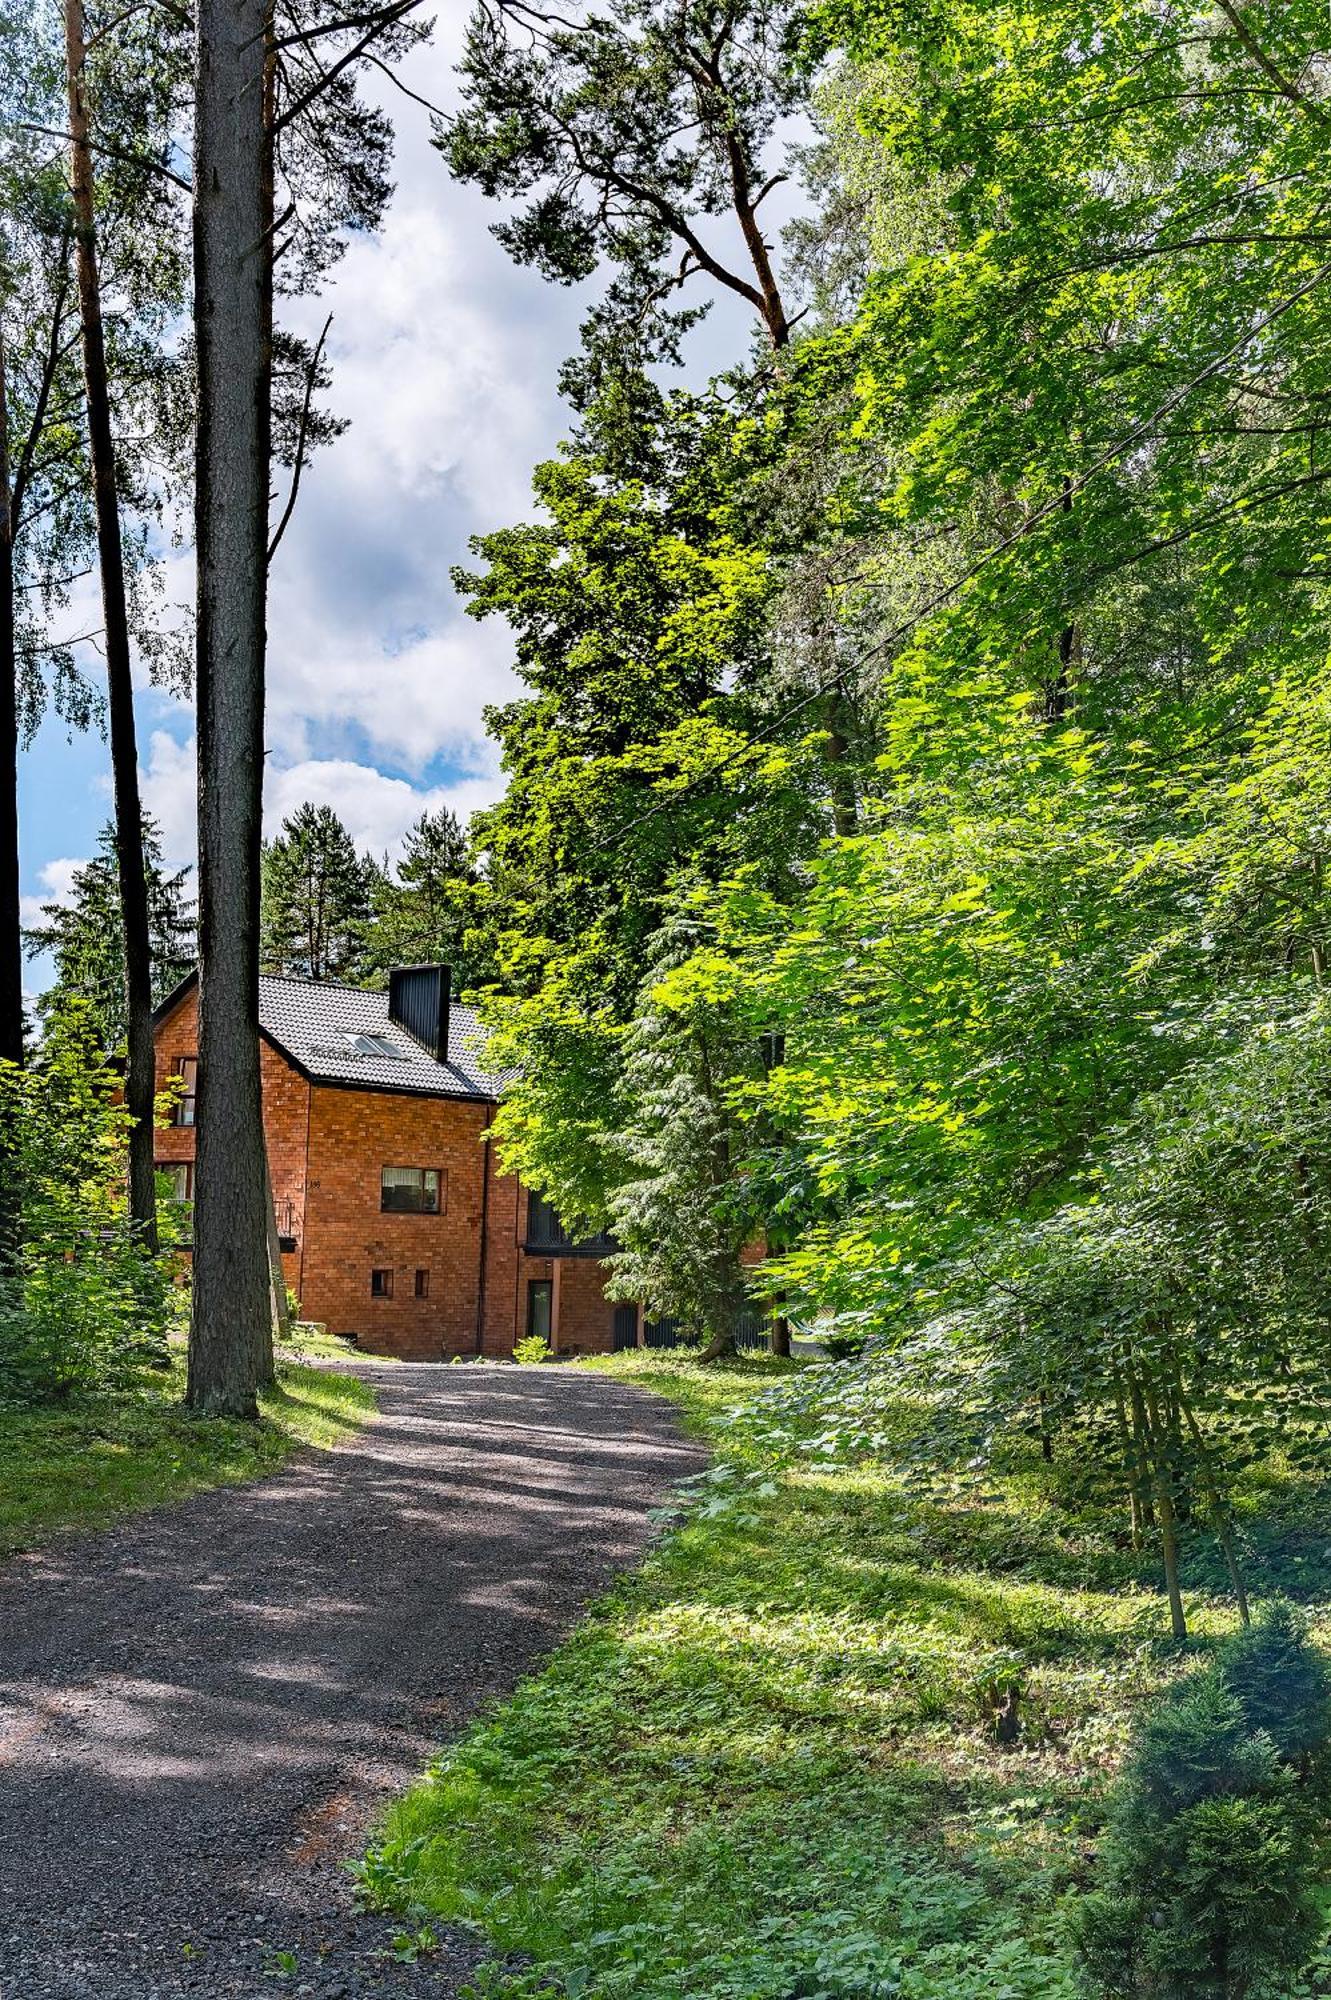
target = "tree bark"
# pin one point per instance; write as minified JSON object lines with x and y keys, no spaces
{"x":11,"y":936}
{"x":1146,"y":1412}
{"x":231,"y":1327}
{"x":140,"y":1074}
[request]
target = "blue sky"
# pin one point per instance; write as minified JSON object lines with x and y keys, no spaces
{"x":444,"y":357}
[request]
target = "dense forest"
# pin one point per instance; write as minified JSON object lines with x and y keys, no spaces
{"x":912,"y":852}
{"x":913,"y":857}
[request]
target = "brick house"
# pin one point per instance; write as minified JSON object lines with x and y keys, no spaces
{"x":394,"y":1222}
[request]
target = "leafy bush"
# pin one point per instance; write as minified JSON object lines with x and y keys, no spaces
{"x":843,"y":1345}
{"x":1213,"y":1854}
{"x":531,"y":1348}
{"x":84,"y":1304}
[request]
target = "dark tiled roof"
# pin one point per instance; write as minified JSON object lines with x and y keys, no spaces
{"x":314,"y":1023}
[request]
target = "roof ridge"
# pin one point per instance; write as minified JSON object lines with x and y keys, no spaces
{"x":319,"y":985}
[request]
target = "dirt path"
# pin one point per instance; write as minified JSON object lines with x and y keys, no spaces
{"x":202,"y":1711}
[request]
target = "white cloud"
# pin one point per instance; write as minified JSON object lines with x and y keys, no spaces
{"x":57,"y":886}
{"x":57,"y":878}
{"x":376,"y":809}
{"x":167,"y":785}
{"x":414,"y":701}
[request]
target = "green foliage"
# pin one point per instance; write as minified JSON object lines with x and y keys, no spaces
{"x":768,"y":1765}
{"x":85,"y":936}
{"x":82,"y":1464}
{"x":85,"y":1303}
{"x":1215,"y":1849}
{"x":676,"y":1206}
{"x":316,"y":898}
{"x":1282,"y":1685}
{"x":531,"y":1349}
{"x":638,"y":608}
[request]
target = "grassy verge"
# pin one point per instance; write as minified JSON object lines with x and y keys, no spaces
{"x":771,"y":1765}
{"x":310,"y":1343}
{"x":111,"y":1455}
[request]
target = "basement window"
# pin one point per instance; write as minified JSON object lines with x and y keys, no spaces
{"x":411,"y":1190}
{"x":381,"y":1284}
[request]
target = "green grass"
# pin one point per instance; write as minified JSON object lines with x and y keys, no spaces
{"x":311,"y":1343}
{"x":766,"y":1767}
{"x":82,"y":1466}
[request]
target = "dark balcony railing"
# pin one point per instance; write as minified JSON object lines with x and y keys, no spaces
{"x":547,"y":1237}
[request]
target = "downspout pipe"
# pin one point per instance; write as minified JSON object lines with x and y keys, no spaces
{"x":485,"y":1244}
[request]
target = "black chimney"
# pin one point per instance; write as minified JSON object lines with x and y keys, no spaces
{"x":418,"y":997}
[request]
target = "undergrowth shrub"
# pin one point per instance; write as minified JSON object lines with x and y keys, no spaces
{"x":84,"y":1304}
{"x":1218,"y":1839}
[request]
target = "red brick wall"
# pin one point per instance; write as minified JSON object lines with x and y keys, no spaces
{"x":583,"y":1318}
{"x":177,"y":1036}
{"x":286,"y":1097}
{"x":353,"y":1135}
{"x":326,"y":1149}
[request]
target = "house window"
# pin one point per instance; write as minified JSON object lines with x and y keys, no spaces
{"x":422,"y":1284}
{"x":540,"y":1307}
{"x":188,"y":1077}
{"x":381,"y":1284}
{"x":411,"y":1190}
{"x":179,"y":1176}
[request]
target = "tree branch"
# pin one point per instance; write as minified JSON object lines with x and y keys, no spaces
{"x":299,"y":466}
{"x":112,"y":152}
{"x":398,"y":84}
{"x":1270,"y":70}
{"x":379,"y":17}
{"x":27,"y":455}
{"x":329,"y":76}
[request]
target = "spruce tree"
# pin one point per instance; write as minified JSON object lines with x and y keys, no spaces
{"x":679,"y":1209}
{"x":423,"y":907}
{"x":86,"y":936}
{"x":315,"y":898}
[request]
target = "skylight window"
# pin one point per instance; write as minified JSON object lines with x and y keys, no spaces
{"x":375,"y":1045}
{"x":372,"y":1048}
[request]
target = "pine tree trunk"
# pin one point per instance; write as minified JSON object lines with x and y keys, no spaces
{"x":11,"y":938}
{"x":231,"y":1326}
{"x":140,"y":1077}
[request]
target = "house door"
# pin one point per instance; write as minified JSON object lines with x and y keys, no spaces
{"x":540,"y":1308}
{"x":625,"y":1327}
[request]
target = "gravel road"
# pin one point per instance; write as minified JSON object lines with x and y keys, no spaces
{"x":203,"y":1711}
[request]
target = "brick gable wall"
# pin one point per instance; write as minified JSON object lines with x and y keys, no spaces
{"x":327,"y":1146}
